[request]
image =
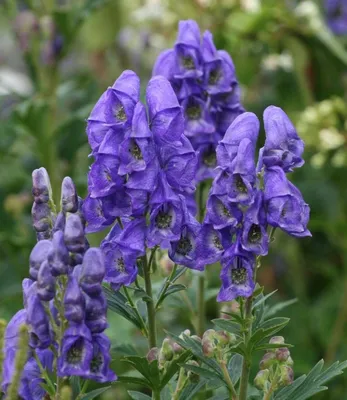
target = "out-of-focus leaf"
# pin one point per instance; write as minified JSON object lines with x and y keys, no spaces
{"x":235,"y":367}
{"x":94,"y":393}
{"x":147,"y":369}
{"x":138,"y":395}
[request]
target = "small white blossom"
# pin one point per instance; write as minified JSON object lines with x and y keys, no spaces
{"x":330,"y":139}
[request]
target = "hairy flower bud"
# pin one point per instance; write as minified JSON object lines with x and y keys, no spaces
{"x":277,"y":340}
{"x":261,"y":379}
{"x":267,"y":360}
{"x":192,"y":376}
{"x":45,"y":282}
{"x":224,"y":338}
{"x":209,"y":343}
{"x":166,"y":352}
{"x":282,"y":354}
{"x":152,"y":354}
{"x":286,"y":376}
{"x":69,"y":199}
{"x":58,"y":257}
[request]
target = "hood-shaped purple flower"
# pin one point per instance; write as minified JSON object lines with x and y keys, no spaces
{"x":285,"y":206}
{"x":96,"y":307}
{"x":336,"y":16}
{"x":74,"y":302}
{"x":236,"y":274}
{"x":93,"y":271}
{"x":100,"y":365}
{"x":45,"y":282}
{"x":58,"y":257}
{"x":283,"y":147}
{"x":38,"y":255}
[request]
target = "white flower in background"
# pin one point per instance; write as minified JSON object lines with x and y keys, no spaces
{"x":252,"y":6}
{"x":13,"y":82}
{"x":339,"y":159}
{"x":309,"y":11}
{"x":330,"y":139}
{"x":325,"y":108}
{"x":318,"y":160}
{"x":310,"y":115}
{"x":274,"y":62}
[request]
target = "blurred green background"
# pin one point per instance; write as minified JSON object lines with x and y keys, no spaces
{"x":57,"y":57}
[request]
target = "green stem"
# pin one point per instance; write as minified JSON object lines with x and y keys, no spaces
{"x":180,"y":384}
{"x":201,"y":280}
{"x":231,"y":388}
{"x":152,"y":334}
{"x":246,"y":365}
{"x":83,"y":390}
{"x":133,"y":306}
{"x":166,"y":286}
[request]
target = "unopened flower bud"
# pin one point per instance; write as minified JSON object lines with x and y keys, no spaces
{"x":41,"y":190}
{"x":192,"y":376}
{"x":69,"y":199}
{"x":41,"y":217}
{"x":261,"y":378}
{"x":152,"y":354}
{"x":277,"y":340}
{"x":231,"y":307}
{"x":267,"y":360}
{"x":66,"y":393}
{"x":74,"y":234}
{"x":38,"y":255}
{"x":45,"y":282}
{"x":289,"y":362}
{"x":58,"y":257}
{"x":93,"y":271}
{"x":286,"y":376}
{"x":209,"y":343}
{"x":166,"y":265}
{"x":74,"y":302}
{"x":185,"y":333}
{"x":196,"y":338}
{"x":177,"y":349}
{"x":282,"y":354}
{"x":223,"y":338}
{"x":166,"y":352}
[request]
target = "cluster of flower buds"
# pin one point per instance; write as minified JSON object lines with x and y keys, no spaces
{"x":143,"y":174}
{"x":232,"y":307}
{"x":276,"y":368}
{"x":214,"y":343}
{"x":205,"y":83}
{"x":245,"y":199}
{"x":64,"y":305}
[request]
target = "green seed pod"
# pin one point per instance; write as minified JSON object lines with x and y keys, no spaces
{"x":261,"y":379}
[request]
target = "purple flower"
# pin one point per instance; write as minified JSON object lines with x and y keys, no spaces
{"x":283,"y":147}
{"x":254,"y":236}
{"x":236,"y":274}
{"x":38,"y":255}
{"x":41,"y":189}
{"x":96,"y":307}
{"x":204,"y":81}
{"x":93,"y":271}
{"x":336,"y":15}
{"x":183,"y":251}
{"x":37,"y":319}
{"x":74,"y":234}
{"x":74,"y":302}
{"x":209,"y":246}
{"x":76,"y":352}
{"x":58,"y":257}
{"x":221,"y":213}
{"x":285,"y":206}
{"x":113,"y":112}
{"x":100,"y":365}
{"x":69,"y":199}
{"x":42,"y":219}
{"x":45,"y":282}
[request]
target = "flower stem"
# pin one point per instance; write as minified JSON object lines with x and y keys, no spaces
{"x":180,"y":384}
{"x":201,"y":280}
{"x":233,"y":394}
{"x":133,"y":306}
{"x":152,"y":334}
{"x":246,"y":366}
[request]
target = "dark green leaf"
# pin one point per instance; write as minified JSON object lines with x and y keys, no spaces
{"x":147,"y":369}
{"x":268,"y":346}
{"x":235,"y":367}
{"x":266,"y":329}
{"x":138,"y":395}
{"x":174,"y":288}
{"x":134,"y":380}
{"x":236,"y":317}
{"x":257,"y":303}
{"x":75,"y":383}
{"x":94,"y":393}
{"x":206,"y":373}
{"x":191,"y":390}
{"x":125,"y":349}
{"x":227,"y":325}
{"x":279,"y":307}
{"x":119,"y":304}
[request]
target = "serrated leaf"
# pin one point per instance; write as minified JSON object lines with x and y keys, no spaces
{"x":262,"y":300}
{"x":118,"y":303}
{"x":173,"y":366}
{"x":138,"y":395}
{"x":266,"y":329}
{"x":227,"y":325}
{"x":190,"y":390}
{"x":235,"y":367}
{"x":134,"y":380}
{"x":124,"y":349}
{"x":206,"y":373}
{"x":147,"y":369}
{"x":279,"y":307}
{"x":94,"y":393}
{"x":307,"y":386}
